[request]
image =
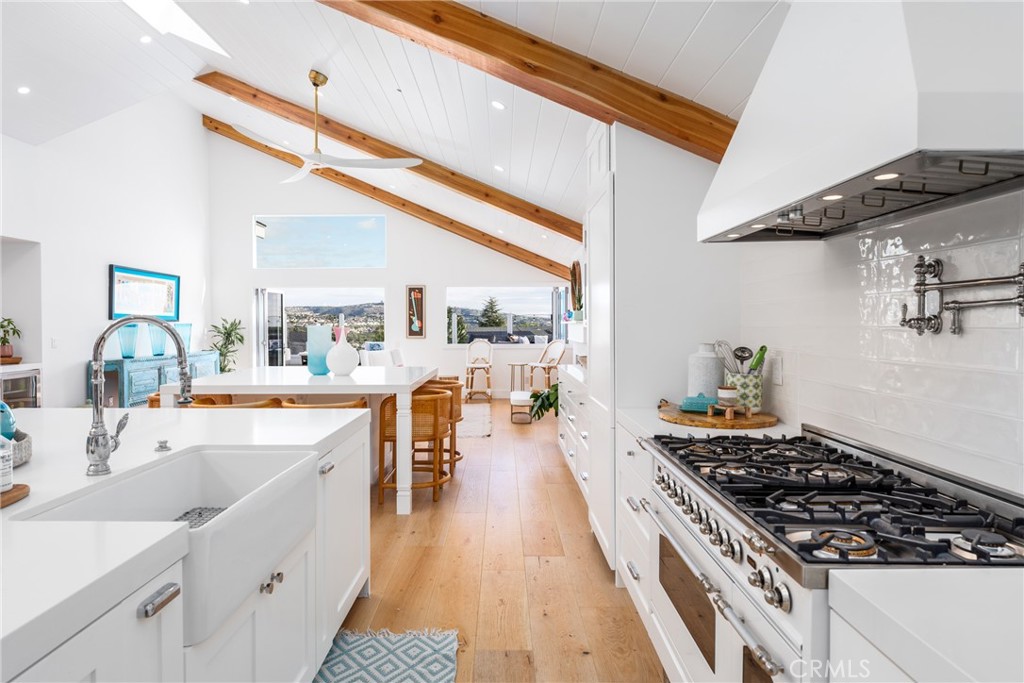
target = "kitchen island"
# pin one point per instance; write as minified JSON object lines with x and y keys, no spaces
{"x":59,"y":577}
{"x":375,"y":382}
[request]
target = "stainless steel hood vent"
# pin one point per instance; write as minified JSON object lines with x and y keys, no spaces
{"x":865,"y":110}
{"x":914,"y":182}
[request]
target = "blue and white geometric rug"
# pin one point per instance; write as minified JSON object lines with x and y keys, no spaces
{"x":385,"y":657}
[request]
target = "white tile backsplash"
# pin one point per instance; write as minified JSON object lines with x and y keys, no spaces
{"x":832,"y":310}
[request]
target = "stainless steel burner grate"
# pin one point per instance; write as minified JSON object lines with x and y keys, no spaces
{"x":196,"y":517}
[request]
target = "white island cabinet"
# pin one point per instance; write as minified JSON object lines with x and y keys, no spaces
{"x":139,"y":639}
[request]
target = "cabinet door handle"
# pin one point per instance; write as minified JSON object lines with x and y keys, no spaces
{"x":561,"y":435}
{"x":157,"y":601}
{"x":267,"y":588}
{"x":277,"y":577}
{"x":584,"y":436}
{"x":326,"y":468}
{"x":631,"y":454}
{"x":572,"y":418}
{"x":572,"y":453}
{"x":633,"y":571}
{"x":584,"y":476}
{"x":631,"y":501}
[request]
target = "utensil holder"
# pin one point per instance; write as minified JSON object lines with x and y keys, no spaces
{"x":22,"y":445}
{"x":749,"y":389}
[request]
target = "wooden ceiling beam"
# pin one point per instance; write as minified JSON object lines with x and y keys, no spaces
{"x":548,"y":70}
{"x":394,"y":201}
{"x":453,"y":180}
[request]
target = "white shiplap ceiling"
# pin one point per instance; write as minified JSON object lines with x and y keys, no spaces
{"x":84,"y":61}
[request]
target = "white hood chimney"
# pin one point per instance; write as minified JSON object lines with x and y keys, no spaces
{"x":933,"y":91}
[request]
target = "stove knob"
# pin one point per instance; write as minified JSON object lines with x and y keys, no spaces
{"x":714,"y":536}
{"x":666,"y":483}
{"x":673,"y":491}
{"x":709,"y":526}
{"x":779,"y":597}
{"x":754,"y":579}
{"x":723,"y":543}
{"x":766,"y":578}
{"x":737,"y":551}
{"x":695,"y":512}
{"x":702,"y":521}
{"x":687,"y":503}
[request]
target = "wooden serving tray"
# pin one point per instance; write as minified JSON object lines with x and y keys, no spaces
{"x":10,"y":360}
{"x":14,"y":495}
{"x":670,"y":413}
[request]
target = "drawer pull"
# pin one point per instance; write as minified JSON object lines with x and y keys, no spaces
{"x":633,"y":571}
{"x":584,"y":476}
{"x":572,"y":453}
{"x":561,"y":435}
{"x":326,"y":468}
{"x":157,"y":601}
{"x":584,"y":435}
{"x":631,"y":501}
{"x":572,"y":418}
{"x":631,"y":454}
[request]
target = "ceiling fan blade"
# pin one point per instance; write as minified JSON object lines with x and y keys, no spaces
{"x":303,"y":172}
{"x":262,"y":140}
{"x":365,"y":163}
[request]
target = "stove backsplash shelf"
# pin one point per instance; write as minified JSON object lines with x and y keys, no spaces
{"x":931,"y":269}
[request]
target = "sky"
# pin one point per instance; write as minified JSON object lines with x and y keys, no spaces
{"x":518,"y":300}
{"x":322,"y":296}
{"x":322,"y":242}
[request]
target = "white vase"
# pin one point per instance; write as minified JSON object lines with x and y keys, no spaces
{"x":342,"y":359}
{"x":704,"y":372}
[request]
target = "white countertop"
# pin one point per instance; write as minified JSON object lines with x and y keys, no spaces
{"x":644,"y":422}
{"x":19,"y":367}
{"x":297,"y":379}
{"x":57,"y":577}
{"x":939,"y":623}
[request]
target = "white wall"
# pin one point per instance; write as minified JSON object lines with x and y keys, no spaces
{"x":21,"y":295}
{"x":671,"y":292}
{"x":244,"y":183}
{"x":832,"y":310}
{"x":129,"y":189}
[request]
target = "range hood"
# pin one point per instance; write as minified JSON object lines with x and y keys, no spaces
{"x":870,"y":109}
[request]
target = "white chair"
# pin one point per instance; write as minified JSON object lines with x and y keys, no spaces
{"x":549,"y":361}
{"x":375,"y":358}
{"x":478,"y":358}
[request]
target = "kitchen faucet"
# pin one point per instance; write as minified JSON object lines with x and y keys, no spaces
{"x":98,"y":444}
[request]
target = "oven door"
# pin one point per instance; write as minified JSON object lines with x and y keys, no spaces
{"x":692,"y":601}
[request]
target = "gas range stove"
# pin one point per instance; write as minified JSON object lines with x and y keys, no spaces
{"x":829,"y":505}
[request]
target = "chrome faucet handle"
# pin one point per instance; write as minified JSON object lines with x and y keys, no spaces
{"x":116,"y":438}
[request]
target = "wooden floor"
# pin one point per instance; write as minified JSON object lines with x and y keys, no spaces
{"x":507,"y":558}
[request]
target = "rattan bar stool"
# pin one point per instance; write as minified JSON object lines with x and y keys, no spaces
{"x":291,"y":403}
{"x":455,"y":387}
{"x":478,"y":359}
{"x":268,"y":403}
{"x":431,"y":423}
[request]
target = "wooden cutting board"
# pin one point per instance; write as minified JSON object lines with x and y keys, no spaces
{"x":670,"y":413}
{"x":14,"y":495}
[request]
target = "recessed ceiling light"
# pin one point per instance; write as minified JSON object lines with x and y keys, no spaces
{"x":543,"y":237}
{"x":286,"y":142}
{"x":759,"y":225}
{"x":499,"y":169}
{"x":497,"y":105}
{"x":232,"y":98}
{"x":244,"y":2}
{"x":734,"y":235}
{"x":501,"y":232}
{"x":887,"y":176}
{"x":392,"y":187}
{"x":24,"y":90}
{"x":145,"y":40}
{"x":832,"y":197}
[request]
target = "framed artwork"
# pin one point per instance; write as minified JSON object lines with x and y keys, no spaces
{"x":416,"y":312}
{"x":143,"y":292}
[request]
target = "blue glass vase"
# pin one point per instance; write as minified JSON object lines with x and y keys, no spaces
{"x":185,"y":330}
{"x":318,"y":343}
{"x":127,"y":335}
{"x":157,"y":340}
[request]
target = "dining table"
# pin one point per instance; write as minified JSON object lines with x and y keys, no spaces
{"x":373,"y":381}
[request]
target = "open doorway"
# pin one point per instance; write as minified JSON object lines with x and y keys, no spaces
{"x":284,"y":314}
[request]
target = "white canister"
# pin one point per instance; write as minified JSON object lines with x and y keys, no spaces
{"x":6,"y":465}
{"x":704,"y":372}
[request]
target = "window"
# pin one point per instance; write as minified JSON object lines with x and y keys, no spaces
{"x":320,"y":242}
{"x":363,"y":308}
{"x":504,"y":315}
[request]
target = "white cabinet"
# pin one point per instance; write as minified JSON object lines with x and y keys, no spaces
{"x":342,"y":536}
{"x":271,"y":637}
{"x":852,"y":657}
{"x":125,"y":644}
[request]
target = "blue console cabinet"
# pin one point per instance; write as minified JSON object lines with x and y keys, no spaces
{"x":137,"y":378}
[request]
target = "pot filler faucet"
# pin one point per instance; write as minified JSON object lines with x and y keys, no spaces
{"x":100,"y":444}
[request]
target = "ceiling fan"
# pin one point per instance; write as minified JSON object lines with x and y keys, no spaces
{"x":317,"y":159}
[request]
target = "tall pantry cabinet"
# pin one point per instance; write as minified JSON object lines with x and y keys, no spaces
{"x":652,"y":291}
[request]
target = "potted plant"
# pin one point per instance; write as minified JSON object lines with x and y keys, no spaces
{"x":8,"y":331}
{"x":543,"y":401}
{"x":227,"y":337}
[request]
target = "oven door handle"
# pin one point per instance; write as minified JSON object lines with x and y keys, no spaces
{"x":683,"y":555}
{"x":762,"y":655}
